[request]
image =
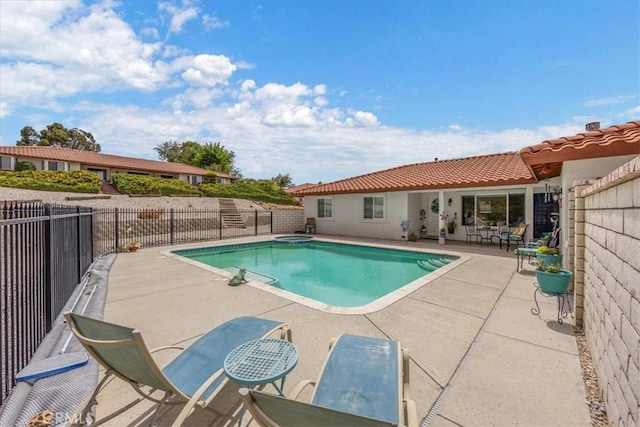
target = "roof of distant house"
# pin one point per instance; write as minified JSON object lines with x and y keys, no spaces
{"x":91,"y":158}
{"x":297,"y":188}
{"x":479,"y":171}
{"x":532,"y":163}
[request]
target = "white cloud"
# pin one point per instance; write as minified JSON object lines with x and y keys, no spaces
{"x":362,"y":118}
{"x":179,"y":15}
{"x":209,"y":70}
{"x":213,"y":22}
{"x":4,"y":109}
{"x":612,"y":100}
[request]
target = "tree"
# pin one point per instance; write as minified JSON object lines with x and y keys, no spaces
{"x":284,"y":181}
{"x":29,"y":137}
{"x":211,"y":156}
{"x":169,"y":151}
{"x":214,"y":157}
{"x":56,"y":135}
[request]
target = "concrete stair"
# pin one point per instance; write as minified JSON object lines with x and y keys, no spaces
{"x":107,"y":188}
{"x":231,"y":218}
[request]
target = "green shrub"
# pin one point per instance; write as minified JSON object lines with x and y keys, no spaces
{"x":68,"y":181}
{"x":24,"y":166}
{"x":143,"y":184}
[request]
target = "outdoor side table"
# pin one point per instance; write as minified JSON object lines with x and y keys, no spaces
{"x":260,"y":362}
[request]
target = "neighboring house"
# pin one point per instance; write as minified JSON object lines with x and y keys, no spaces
{"x":105,"y":165}
{"x":293,"y":190}
{"x":494,"y":189}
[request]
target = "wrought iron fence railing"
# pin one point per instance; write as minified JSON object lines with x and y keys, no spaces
{"x":45,"y":250}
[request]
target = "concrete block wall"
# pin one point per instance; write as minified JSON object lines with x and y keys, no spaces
{"x":286,"y":221}
{"x":611,"y":286}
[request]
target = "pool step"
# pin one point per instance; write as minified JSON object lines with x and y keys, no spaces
{"x":432,"y":264}
{"x":252,"y":275}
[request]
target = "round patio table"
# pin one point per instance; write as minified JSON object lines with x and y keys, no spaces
{"x":261,"y":362}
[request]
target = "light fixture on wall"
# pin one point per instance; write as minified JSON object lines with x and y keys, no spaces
{"x":449,"y":201}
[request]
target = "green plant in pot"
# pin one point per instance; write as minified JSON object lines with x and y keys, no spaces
{"x":548,"y":255}
{"x":552,"y":278}
{"x":413,"y":237}
{"x":451,"y":225}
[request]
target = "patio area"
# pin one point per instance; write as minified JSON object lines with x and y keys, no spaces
{"x":478,"y":355}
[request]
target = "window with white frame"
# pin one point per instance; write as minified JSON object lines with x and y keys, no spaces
{"x":55,"y":166}
{"x":5,"y":163}
{"x":325,"y":208}
{"x":374,"y":207}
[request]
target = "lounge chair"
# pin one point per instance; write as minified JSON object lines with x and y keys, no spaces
{"x":364,"y":382}
{"x":193,"y":378}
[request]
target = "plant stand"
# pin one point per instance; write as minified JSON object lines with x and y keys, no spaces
{"x":563,"y":298}
{"x":441,"y":237}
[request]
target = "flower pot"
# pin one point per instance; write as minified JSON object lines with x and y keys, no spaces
{"x":550,"y":259}
{"x":451,"y":230}
{"x":554,"y":283}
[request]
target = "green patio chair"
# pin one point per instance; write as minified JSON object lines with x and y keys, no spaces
{"x":193,"y":378}
{"x":516,"y":236}
{"x":364,"y":382}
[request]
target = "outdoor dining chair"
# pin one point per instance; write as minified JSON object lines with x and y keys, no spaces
{"x":364,"y":382}
{"x":472,"y":233}
{"x":193,"y":378}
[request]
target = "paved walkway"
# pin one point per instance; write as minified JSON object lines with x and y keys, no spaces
{"x":479,"y":357}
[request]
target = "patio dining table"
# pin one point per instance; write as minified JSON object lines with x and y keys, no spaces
{"x":485,"y":234}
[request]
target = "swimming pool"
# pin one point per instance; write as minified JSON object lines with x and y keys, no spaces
{"x":323,"y":273}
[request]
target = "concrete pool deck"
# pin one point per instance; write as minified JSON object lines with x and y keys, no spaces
{"x":478,"y":355}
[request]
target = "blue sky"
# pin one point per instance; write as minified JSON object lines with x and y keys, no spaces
{"x":321,"y":90}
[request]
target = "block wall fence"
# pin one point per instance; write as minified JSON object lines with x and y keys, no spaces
{"x":287,"y":221}
{"x":605,"y":220}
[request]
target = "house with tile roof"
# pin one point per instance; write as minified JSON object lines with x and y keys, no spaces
{"x":105,"y":165}
{"x":489,"y":190}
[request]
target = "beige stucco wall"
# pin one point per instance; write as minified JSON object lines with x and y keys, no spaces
{"x":347,"y":216}
{"x":607,"y":285}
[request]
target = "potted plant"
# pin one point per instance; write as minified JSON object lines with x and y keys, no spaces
{"x":413,"y":237}
{"x":552,"y":278}
{"x":442,"y":235}
{"x":549,"y":255}
{"x":133,"y":245}
{"x":451,"y":225}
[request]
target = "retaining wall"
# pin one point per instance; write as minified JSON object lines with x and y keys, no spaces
{"x":607,"y":284}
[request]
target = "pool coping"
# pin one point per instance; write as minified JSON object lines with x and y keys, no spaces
{"x":375,"y":305}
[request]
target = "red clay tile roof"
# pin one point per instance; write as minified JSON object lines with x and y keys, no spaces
{"x":90,"y":158}
{"x":535,"y":162}
{"x":480,"y":171}
{"x":618,"y":140}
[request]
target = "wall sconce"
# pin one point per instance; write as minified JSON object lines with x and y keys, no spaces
{"x":449,"y":201}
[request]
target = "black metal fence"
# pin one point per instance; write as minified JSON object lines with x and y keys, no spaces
{"x":46,"y":249}
{"x":120,"y":229}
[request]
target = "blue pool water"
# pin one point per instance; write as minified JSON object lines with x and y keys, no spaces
{"x":337,"y":274}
